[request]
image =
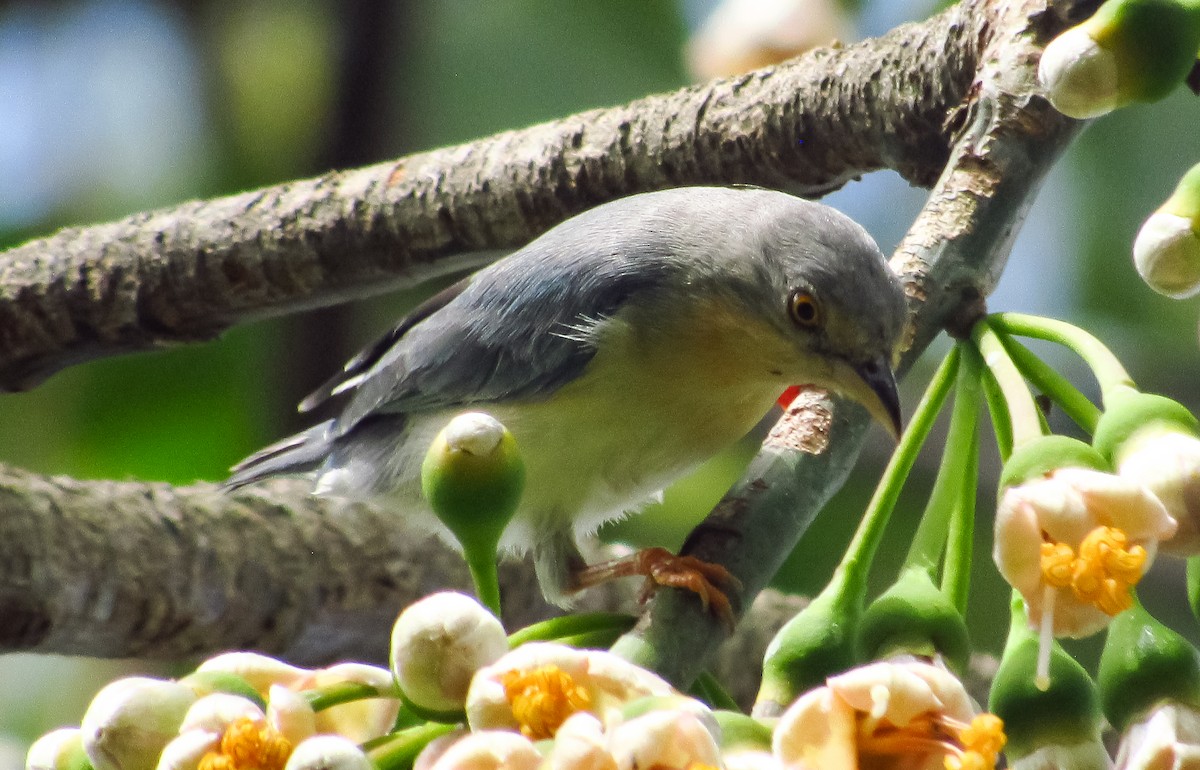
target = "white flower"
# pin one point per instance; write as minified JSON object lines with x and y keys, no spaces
{"x":665,"y":738}
{"x":1168,"y":464}
{"x":185,"y":751}
{"x":1167,"y":255}
{"x":490,"y":750}
{"x":54,"y":750}
{"x":580,"y":744}
{"x":130,"y":721}
{"x":1089,"y":755}
{"x":535,"y":688}
{"x":1167,"y":737}
{"x":1074,"y":542}
{"x":328,"y":752}
{"x":261,"y":671}
{"x":910,"y":713}
{"x":439,"y":643}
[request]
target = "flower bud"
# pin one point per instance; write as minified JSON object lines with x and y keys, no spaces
{"x":1058,"y":715}
{"x":473,"y":477}
{"x":1129,"y":50}
{"x":1167,"y":249}
{"x":1145,"y":663}
{"x":328,"y":752}
{"x":438,"y":644}
{"x":914,"y":617}
{"x":1155,"y":442}
{"x":580,"y":744}
{"x":186,"y":750}
{"x":490,"y":750}
{"x":260,"y":671}
{"x":60,"y":749}
{"x":817,"y":643}
{"x":130,"y":721}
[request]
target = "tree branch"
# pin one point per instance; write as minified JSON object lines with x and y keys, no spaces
{"x":187,"y":273}
{"x":950,"y":259}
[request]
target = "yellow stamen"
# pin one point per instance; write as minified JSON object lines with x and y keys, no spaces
{"x":248,"y":744}
{"x":542,"y":699}
{"x":974,"y":746}
{"x":1102,"y":573}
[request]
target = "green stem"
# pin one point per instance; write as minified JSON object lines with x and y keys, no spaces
{"x":572,"y":626}
{"x":343,"y":692}
{"x":998,"y":410}
{"x":851,"y":574}
{"x":1043,"y":376}
{"x":930,"y":538}
{"x":398,"y":751}
{"x":1024,"y":415}
{"x":956,"y":572}
{"x":711,"y":692}
{"x":482,"y":564}
{"x":1104,"y":365}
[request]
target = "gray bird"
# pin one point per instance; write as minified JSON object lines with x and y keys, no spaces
{"x":621,"y":348}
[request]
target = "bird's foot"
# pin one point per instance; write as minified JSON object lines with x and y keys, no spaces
{"x":662,"y":568}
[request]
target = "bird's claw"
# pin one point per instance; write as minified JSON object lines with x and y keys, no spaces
{"x":708,"y":581}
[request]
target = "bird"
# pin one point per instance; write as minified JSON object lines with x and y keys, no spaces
{"x":621,"y":348}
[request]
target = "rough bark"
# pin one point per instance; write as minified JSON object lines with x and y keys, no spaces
{"x":189,"y":272}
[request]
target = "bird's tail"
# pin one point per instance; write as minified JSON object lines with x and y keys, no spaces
{"x":293,"y":455}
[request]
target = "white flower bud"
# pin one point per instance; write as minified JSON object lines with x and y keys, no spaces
{"x":54,"y":749}
{"x":475,"y":433}
{"x":213,"y":713}
{"x":1079,"y":76}
{"x":1167,"y":255}
{"x":490,"y":750}
{"x":291,"y":715}
{"x":187,"y":749}
{"x":580,"y":744}
{"x":439,"y":643}
{"x":328,"y":752}
{"x":130,"y":721}
{"x":261,"y":671}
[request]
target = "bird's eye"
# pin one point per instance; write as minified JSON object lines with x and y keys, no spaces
{"x":805,"y":309}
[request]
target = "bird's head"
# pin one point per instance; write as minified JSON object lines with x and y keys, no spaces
{"x":819,"y":302}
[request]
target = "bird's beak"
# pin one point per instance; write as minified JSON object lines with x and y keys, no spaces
{"x":882,"y":399}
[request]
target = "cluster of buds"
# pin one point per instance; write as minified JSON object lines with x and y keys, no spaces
{"x":238,"y":710}
{"x":539,"y":705}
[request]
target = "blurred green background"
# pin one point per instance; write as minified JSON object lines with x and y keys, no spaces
{"x":113,"y":106}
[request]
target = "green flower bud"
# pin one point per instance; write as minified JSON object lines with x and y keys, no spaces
{"x":1064,"y":714}
{"x":1040,"y":456}
{"x":473,"y":477}
{"x":1130,"y":50}
{"x":814,"y":645}
{"x":741,"y":733}
{"x":1167,"y":249}
{"x":1143,"y":664}
{"x":914,"y":617}
{"x":1129,"y":413}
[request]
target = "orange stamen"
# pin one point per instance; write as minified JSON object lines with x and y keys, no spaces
{"x":542,"y":699}
{"x":248,"y":744}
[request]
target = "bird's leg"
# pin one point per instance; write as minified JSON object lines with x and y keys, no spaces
{"x":663,"y":568}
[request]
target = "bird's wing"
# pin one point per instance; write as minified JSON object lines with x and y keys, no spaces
{"x":520,"y":329}
{"x":357,"y":368}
